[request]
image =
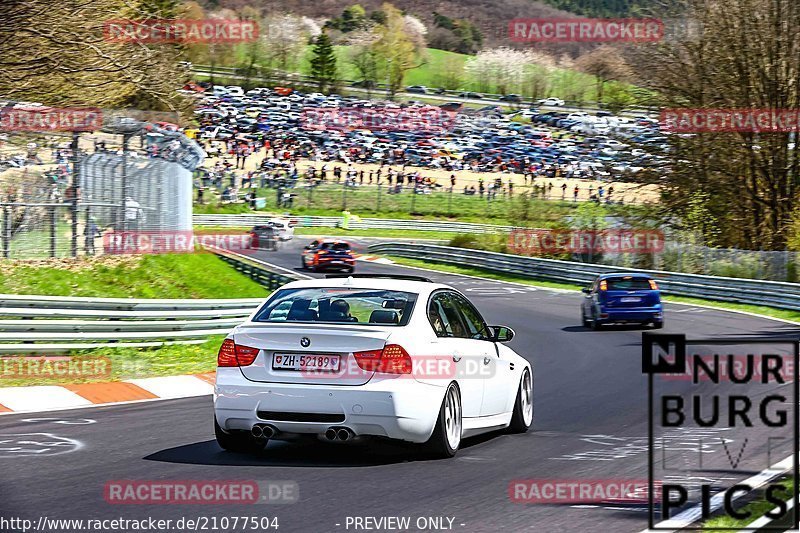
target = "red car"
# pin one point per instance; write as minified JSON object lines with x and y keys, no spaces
{"x":328,"y":254}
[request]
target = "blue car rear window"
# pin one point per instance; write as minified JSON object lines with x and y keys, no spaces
{"x":628,"y":284}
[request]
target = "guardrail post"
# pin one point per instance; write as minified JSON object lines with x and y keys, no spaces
{"x":53,"y":232}
{"x":76,"y":187}
{"x":6,"y":231}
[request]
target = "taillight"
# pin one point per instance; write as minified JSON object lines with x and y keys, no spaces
{"x":603,"y":285}
{"x":232,"y":354}
{"x":653,"y":284}
{"x":246,"y":355}
{"x":393,"y":359}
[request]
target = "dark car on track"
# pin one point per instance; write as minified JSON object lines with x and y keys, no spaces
{"x":264,"y":237}
{"x":325,"y":254}
{"x":622,"y":298}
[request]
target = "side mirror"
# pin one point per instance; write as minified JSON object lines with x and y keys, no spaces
{"x":502,"y":333}
{"x":586,"y":290}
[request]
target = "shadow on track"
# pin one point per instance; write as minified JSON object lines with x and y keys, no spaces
{"x":307,"y":453}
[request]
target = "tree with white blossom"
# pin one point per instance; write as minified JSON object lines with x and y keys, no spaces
{"x":503,"y":67}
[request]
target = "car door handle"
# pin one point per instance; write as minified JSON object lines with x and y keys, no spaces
{"x":487,"y":360}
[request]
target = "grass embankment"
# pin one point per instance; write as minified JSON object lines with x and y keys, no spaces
{"x":156,"y":276}
{"x":328,"y":200}
{"x":129,"y":276}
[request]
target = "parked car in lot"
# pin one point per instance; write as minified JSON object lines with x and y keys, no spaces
{"x":552,"y":101}
{"x":417,"y":89}
{"x":622,"y":298}
{"x":452,"y":106}
{"x":325,"y":254}
{"x":346,"y":359}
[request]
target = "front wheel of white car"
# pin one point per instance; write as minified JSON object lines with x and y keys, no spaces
{"x":522,"y":418}
{"x":446,"y":436}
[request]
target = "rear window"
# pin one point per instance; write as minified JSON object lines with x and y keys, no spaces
{"x":337,"y":305}
{"x":335,"y":246}
{"x":628,"y":284}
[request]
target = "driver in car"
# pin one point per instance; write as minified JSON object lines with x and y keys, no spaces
{"x":341,"y":306}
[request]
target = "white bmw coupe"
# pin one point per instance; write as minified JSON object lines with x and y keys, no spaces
{"x":356,"y":356}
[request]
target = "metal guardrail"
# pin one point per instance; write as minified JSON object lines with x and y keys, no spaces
{"x":734,"y":290}
{"x":364,"y":223}
{"x":256,"y":270}
{"x":120,"y":304}
{"x":52,"y":324}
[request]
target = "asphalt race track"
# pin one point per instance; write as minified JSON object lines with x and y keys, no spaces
{"x":589,"y":423}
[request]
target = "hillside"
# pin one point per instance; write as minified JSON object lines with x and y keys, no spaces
{"x":491,"y":17}
{"x":606,"y":8}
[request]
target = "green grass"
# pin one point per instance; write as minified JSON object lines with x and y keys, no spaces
{"x":328,"y":200}
{"x":35,"y":243}
{"x":469,"y":271}
{"x":131,"y":363}
{"x":151,"y":276}
{"x":434,"y":63}
{"x":335,"y":232}
{"x":757,"y":509}
{"x":390,"y":233}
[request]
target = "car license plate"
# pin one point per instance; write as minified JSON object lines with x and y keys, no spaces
{"x":630,"y":299}
{"x":336,"y":262}
{"x":310,"y":362}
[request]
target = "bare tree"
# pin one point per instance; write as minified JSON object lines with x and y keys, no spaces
{"x":606,"y":64}
{"x":57,"y":52}
{"x":747,"y":56}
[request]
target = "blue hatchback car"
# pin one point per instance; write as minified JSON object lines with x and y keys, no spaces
{"x":622,"y":298}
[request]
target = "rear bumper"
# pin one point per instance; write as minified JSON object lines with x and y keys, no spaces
{"x":397,"y":408}
{"x":339,"y":262}
{"x":633,"y":314}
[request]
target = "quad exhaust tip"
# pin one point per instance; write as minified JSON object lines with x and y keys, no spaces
{"x":263,"y":431}
{"x":339,"y":433}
